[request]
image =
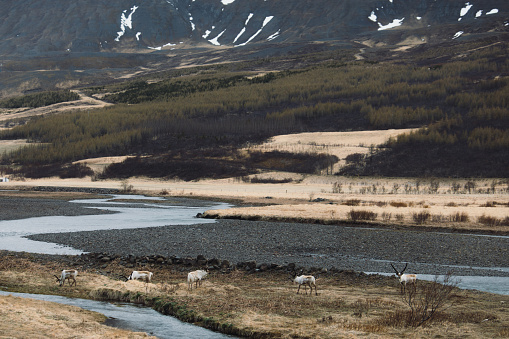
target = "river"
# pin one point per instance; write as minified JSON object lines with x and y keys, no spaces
{"x":132,"y":317}
{"x":139,"y":212}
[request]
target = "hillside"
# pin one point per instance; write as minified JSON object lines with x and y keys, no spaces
{"x":92,"y":26}
{"x":232,"y":81}
{"x":77,"y":44}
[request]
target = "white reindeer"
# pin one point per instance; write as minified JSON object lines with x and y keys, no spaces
{"x":69,"y":275}
{"x":195,"y":277}
{"x":306,"y":280}
{"x":405,"y":279}
{"x":145,"y":276}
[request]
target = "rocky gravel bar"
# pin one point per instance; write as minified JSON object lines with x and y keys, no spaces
{"x":305,"y":245}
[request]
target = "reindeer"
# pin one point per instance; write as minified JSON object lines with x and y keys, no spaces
{"x":306,"y":280}
{"x":195,"y":277}
{"x":144,"y":276}
{"x":405,"y":279}
{"x":69,"y":275}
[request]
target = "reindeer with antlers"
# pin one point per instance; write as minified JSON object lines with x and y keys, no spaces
{"x":405,"y":279}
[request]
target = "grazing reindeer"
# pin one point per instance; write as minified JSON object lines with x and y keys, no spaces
{"x":306,"y":280}
{"x":69,"y":275}
{"x":145,"y":276}
{"x":405,"y":279}
{"x":195,"y":277}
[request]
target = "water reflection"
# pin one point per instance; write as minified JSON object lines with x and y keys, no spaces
{"x":131,"y":214}
{"x":132,"y":317}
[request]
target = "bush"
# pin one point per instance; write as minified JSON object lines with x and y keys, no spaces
{"x":362,"y":215}
{"x":459,"y":217}
{"x":421,"y":218}
{"x":398,"y":204}
{"x":488,"y":221}
{"x":492,"y":221}
{"x":352,"y":202}
{"x":428,"y":299}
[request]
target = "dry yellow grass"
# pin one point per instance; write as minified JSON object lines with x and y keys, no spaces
{"x":347,"y":305}
{"x":29,"y":318}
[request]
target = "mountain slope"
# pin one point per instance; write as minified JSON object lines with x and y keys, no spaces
{"x":30,"y":27}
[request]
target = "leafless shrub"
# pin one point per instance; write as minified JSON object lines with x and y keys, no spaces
{"x":455,"y":187}
{"x":489,"y":204}
{"x":398,"y":204}
{"x":451,"y":204}
{"x":399,"y":217}
{"x":362,"y":215}
{"x":125,"y":187}
{"x":438,"y":218}
{"x":337,"y":187}
{"x":395,"y":187}
{"x":488,"y":221}
{"x":428,"y":298}
{"x":433,"y":186}
{"x":459,"y":217}
{"x":492,"y":221}
{"x":422,"y":217}
{"x":352,"y":202}
{"x":470,"y":186}
{"x":386,"y":216}
{"x":379,"y":203}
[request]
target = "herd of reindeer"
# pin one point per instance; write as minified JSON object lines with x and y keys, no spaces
{"x":196,"y":277}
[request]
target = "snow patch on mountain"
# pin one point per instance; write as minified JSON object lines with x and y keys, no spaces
{"x":265,"y":22}
{"x":125,"y":22}
{"x":394,"y":23}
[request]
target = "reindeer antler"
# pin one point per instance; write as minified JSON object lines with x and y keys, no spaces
{"x":404,"y":268}
{"x":395,"y":270}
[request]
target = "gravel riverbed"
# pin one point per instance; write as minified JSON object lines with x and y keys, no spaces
{"x":307,"y":245}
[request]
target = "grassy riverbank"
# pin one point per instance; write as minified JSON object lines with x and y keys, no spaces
{"x":262,"y":304}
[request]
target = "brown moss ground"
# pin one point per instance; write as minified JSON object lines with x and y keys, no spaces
{"x":263,"y":304}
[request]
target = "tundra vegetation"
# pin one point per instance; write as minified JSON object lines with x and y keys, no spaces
{"x":184,"y":117}
{"x":264,"y":304}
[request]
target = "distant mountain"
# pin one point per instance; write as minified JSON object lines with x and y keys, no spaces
{"x":40,"y":27}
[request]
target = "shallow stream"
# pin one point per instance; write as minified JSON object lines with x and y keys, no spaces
{"x":136,"y":214}
{"x":132,"y":317}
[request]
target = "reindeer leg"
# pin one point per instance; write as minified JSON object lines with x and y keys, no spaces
{"x":298,"y":289}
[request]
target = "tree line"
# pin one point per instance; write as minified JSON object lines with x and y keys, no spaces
{"x":39,"y":99}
